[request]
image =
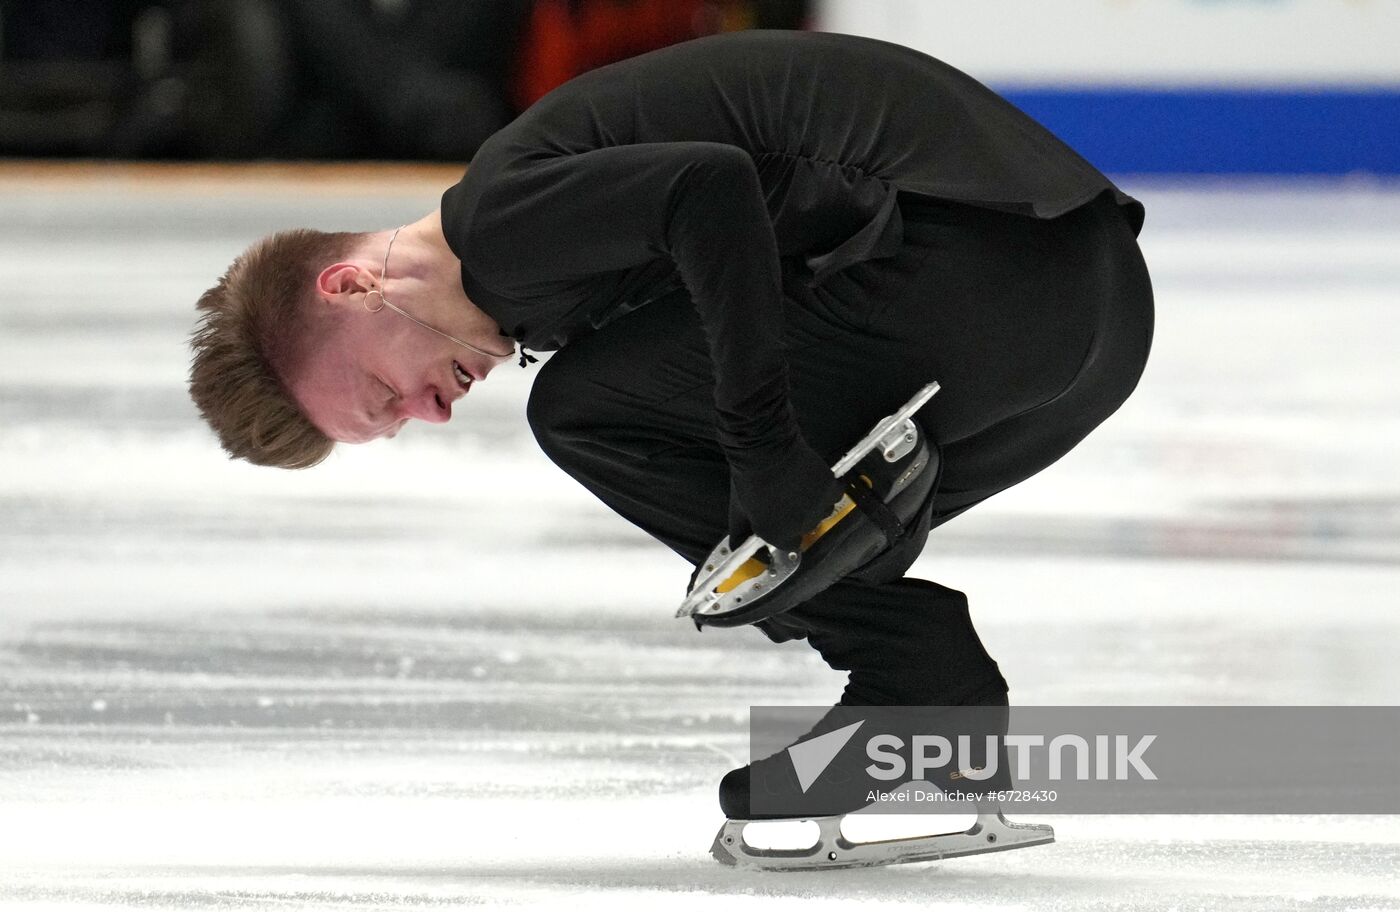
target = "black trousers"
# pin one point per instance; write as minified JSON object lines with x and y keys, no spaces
{"x":1037,"y":331}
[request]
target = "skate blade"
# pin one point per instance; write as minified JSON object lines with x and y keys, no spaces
{"x":991,"y":833}
{"x":736,"y":579}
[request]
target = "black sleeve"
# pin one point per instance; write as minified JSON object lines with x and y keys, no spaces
{"x":702,"y":205}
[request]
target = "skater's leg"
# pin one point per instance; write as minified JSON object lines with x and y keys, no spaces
{"x":907,"y":642}
{"x":1081,"y":319}
{"x":628,"y":412}
{"x":1043,"y":329}
{"x":1074,"y":299}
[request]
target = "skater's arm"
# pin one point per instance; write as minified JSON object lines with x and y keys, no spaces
{"x":701,"y":204}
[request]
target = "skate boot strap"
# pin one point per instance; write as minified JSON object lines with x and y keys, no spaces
{"x":874,"y":508}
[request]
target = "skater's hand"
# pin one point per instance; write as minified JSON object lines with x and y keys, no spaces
{"x":781,"y":497}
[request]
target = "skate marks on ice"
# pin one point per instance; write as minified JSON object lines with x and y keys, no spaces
{"x":347,"y":756}
{"x":1126,"y":864}
{"x":358,"y":688}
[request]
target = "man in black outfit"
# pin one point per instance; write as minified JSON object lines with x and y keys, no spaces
{"x":747,"y":249}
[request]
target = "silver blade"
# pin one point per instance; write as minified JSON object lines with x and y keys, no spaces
{"x":704,"y":597}
{"x":882,"y":429}
{"x":991,"y":833}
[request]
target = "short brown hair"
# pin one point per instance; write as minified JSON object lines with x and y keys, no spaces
{"x":253,"y":331}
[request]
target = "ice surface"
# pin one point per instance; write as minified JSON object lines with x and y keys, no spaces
{"x":434,"y":673}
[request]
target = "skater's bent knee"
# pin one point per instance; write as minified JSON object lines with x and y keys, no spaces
{"x":551,"y":408}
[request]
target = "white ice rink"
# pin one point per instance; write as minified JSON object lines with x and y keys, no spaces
{"x":433,"y":673}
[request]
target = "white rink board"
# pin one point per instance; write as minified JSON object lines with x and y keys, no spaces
{"x":1141,"y":42}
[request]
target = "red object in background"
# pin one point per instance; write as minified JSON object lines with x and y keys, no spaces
{"x":567,"y":37}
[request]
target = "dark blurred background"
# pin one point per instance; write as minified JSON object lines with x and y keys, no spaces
{"x":315,"y":79}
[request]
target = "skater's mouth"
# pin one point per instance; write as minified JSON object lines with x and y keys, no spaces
{"x":463,"y":378}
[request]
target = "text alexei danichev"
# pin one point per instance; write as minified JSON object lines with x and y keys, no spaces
{"x":1000,"y":796}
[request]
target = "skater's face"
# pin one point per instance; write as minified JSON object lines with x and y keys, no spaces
{"x":372,"y":369}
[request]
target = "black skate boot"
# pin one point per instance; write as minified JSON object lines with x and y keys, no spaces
{"x":775,"y":789}
{"x":877,"y":528}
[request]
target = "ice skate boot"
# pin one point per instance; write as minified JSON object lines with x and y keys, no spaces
{"x":749,"y":794}
{"x":889,"y":476}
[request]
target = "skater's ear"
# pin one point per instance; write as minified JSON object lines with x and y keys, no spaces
{"x":341,"y":282}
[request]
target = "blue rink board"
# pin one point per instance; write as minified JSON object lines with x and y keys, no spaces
{"x":1218,"y":131}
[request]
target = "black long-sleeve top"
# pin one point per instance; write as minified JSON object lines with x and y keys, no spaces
{"x":721,"y":163}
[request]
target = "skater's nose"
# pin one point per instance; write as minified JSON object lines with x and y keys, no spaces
{"x":429,"y":404}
